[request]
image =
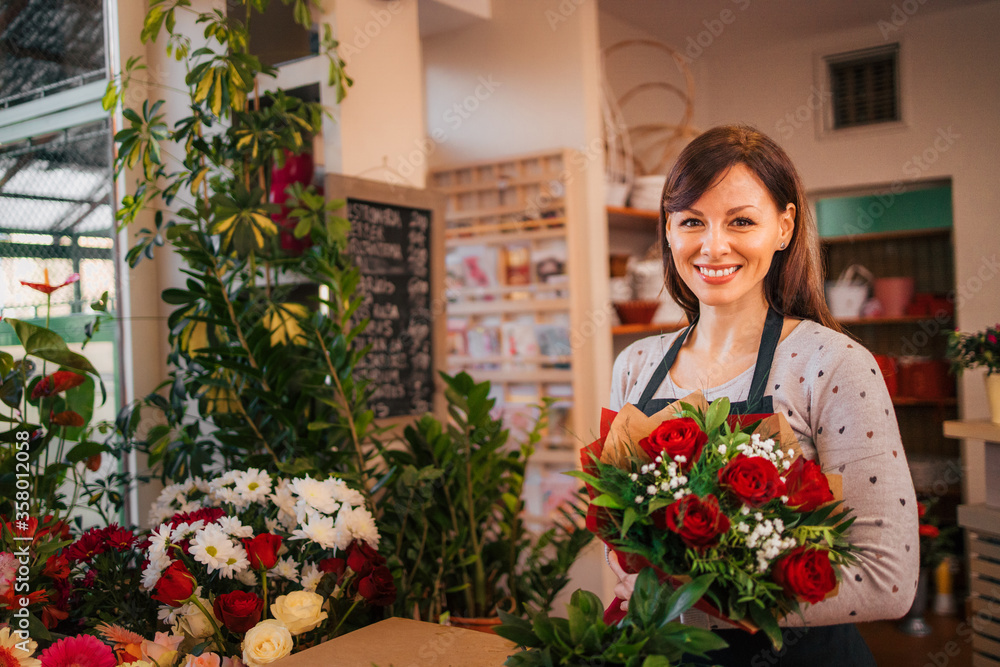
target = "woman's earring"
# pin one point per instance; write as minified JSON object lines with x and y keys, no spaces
{"x":782,"y":247}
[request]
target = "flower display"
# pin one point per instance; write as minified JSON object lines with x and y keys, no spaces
{"x":16,"y":651}
{"x":696,"y":491}
{"x":79,"y":651}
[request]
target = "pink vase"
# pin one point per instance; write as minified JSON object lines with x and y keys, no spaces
{"x":894,"y":294}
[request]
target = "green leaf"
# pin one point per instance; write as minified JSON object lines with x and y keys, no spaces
{"x":687,"y":595}
{"x":6,"y":363}
{"x":85,"y":450}
{"x":766,"y":622}
{"x":630,"y":516}
{"x":608,"y":500}
{"x":717,"y":413}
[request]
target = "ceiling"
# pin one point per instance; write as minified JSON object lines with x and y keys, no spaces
{"x":768,"y":19}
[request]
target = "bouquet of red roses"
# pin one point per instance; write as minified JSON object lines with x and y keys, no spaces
{"x":694,"y":490}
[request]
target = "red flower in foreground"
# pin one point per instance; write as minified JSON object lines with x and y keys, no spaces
{"x":676,"y":437}
{"x":807,"y":486}
{"x":262,"y":550}
{"x":927,"y":530}
{"x":79,"y":651}
{"x":59,"y":381}
{"x":206,"y":514}
{"x":752,"y":479}
{"x":175,"y":585}
{"x":90,"y":544}
{"x":49,"y":288}
{"x":698,"y":521}
{"x":239,"y":610}
{"x":806,"y":573}
{"x":56,"y":567}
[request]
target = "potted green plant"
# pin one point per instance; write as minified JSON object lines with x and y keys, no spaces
{"x":971,"y":350}
{"x":455,"y":515}
{"x":260,"y":375}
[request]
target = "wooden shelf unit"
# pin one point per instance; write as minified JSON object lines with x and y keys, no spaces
{"x":529,"y":205}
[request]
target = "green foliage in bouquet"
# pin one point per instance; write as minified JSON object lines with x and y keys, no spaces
{"x":270,"y":370}
{"x":455,"y":515}
{"x":969,"y":350}
{"x":648,"y":636}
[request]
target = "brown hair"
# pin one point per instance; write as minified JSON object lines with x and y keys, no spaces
{"x":794,"y":284}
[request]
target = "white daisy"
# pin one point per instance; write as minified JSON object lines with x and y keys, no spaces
{"x":253,"y":485}
{"x":184,"y":530}
{"x":247,"y":577}
{"x":237,"y":562}
{"x":212,"y":548}
{"x":231,"y":525}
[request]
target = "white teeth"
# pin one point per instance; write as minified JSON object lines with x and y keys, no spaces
{"x":713,"y":273}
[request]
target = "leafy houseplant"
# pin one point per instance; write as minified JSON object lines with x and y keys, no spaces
{"x":648,"y":636}
{"x":461,"y":543}
{"x":271,"y":372}
{"x":971,"y":350}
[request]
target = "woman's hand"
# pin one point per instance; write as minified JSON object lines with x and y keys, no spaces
{"x":626,"y":582}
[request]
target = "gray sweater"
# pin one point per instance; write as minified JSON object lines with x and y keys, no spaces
{"x":832,"y":392}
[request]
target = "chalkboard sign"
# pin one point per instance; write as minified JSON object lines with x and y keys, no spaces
{"x":393,"y":242}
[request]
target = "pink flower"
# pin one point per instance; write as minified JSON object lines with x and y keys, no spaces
{"x":79,"y":651}
{"x":991,"y":338}
{"x":203,"y":660}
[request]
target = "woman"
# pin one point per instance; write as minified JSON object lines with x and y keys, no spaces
{"x":741,"y":256}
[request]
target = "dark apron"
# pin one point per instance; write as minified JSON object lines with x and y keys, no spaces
{"x":834,"y":645}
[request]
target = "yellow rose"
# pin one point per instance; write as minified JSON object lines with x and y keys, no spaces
{"x":266,"y":642}
{"x":300,"y":611}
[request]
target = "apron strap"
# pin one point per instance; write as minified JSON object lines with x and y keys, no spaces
{"x":755,"y":402}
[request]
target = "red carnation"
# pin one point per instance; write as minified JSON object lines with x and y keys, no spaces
{"x":239,"y":610}
{"x":807,"y":486}
{"x":676,"y":437}
{"x":262,"y":550}
{"x":806,"y":573}
{"x":752,"y":479}
{"x":175,"y":585}
{"x":698,"y":521}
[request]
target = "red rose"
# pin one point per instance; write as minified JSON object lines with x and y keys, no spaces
{"x":362,"y":558}
{"x":378,"y":587}
{"x":175,"y":585}
{"x":921,"y":510}
{"x":676,"y":437}
{"x":752,"y":479}
{"x":806,"y":573}
{"x":262,"y":550}
{"x":697,"y":520}
{"x":239,"y":610}
{"x":806,"y":486}
{"x":927,"y":530}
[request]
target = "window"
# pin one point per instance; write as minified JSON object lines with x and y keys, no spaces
{"x":865,"y":87}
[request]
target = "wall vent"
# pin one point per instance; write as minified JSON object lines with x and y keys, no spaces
{"x":864,"y":87}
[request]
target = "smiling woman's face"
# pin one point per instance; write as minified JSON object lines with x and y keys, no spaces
{"x":723,"y":245}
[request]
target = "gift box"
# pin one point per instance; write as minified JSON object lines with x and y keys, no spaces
{"x":405,"y":643}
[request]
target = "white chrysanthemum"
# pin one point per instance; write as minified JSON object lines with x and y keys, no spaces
{"x":213,"y":548}
{"x":343,"y":494}
{"x":310,"y":577}
{"x":361,"y":525}
{"x":284,"y":500}
{"x":168,"y":615}
{"x":237,"y":562}
{"x":271,"y":524}
{"x":159,"y":538}
{"x":286,"y":568}
{"x":314,"y":493}
{"x":247,"y":577}
{"x":230,"y":496}
{"x":153,"y":570}
{"x":231,"y":525}
{"x":253,"y":485}
{"x":317,"y":528}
